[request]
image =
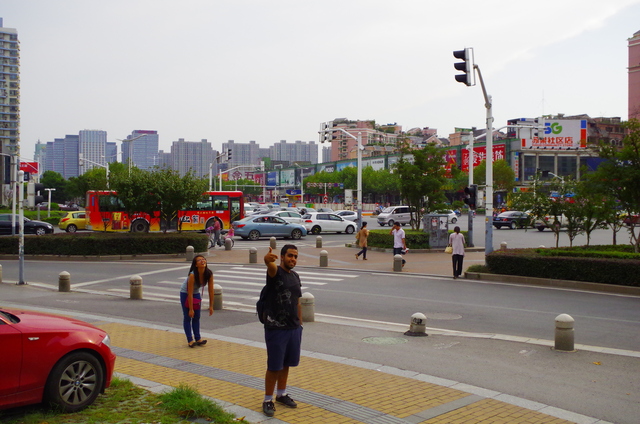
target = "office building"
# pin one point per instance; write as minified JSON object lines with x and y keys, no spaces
{"x":294,"y":152}
{"x":634,"y":76}
{"x":141,"y":149}
{"x":191,"y":156}
{"x":9,"y":104}
{"x":92,"y":149}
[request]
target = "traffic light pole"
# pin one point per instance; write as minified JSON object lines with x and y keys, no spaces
{"x":21,"y":226}
{"x":488,"y":239}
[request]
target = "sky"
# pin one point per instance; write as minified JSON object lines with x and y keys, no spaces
{"x":274,"y":70}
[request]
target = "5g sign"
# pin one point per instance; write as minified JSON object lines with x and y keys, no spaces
{"x":552,"y":128}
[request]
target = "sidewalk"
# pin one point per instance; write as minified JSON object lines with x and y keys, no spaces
{"x":328,"y":388}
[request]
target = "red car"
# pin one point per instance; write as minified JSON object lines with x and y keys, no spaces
{"x":47,"y":358}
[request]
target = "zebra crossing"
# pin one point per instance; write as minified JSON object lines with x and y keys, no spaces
{"x":240,"y":285}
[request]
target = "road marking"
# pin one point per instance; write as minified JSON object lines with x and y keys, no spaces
{"x":106,"y":280}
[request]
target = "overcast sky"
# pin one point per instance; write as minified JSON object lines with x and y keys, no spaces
{"x":273,"y":70}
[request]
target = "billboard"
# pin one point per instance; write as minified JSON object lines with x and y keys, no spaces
{"x":558,"y":134}
{"x":480,"y":154}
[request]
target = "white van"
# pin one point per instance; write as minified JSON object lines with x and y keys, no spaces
{"x":392,"y":214}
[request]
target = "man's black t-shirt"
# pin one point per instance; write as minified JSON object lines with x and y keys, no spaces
{"x":282,"y":302}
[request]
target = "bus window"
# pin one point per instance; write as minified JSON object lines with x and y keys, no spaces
{"x":235,"y":209}
{"x":110,"y":204}
{"x":220,"y":203}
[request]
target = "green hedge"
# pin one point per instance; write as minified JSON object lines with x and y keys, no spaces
{"x":589,"y":264}
{"x":416,"y":239}
{"x":105,"y":244}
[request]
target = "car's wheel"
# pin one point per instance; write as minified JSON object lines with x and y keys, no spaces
{"x":74,"y":382}
{"x":382,"y":224}
{"x":513,"y":225}
{"x":497,"y":227}
{"x":72,"y":228}
{"x":41,"y":231}
{"x":541,"y":227}
{"x":316,"y":229}
{"x":254,"y":235}
{"x":296,"y":234}
{"x":140,"y":226}
{"x":391,"y":222}
{"x":454,"y":220}
{"x":349,"y":229}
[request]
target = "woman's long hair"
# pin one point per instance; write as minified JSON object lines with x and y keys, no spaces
{"x":196,"y":275}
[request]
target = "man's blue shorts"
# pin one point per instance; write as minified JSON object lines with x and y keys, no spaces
{"x":283,"y":348}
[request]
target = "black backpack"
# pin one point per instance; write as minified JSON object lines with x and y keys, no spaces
{"x":262,"y":303}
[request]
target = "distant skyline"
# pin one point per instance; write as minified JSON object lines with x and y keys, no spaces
{"x":271,"y":71}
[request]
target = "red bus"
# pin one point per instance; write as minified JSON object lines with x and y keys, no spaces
{"x":105,"y":212}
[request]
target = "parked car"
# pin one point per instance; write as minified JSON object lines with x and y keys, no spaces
{"x":30,"y":226}
{"x":289,"y":216}
{"x":73,"y":221}
{"x":348,"y":215}
{"x":512,"y":219}
{"x":329,"y":210}
{"x":451,"y":215}
{"x":52,"y":359}
{"x":550,"y":220}
{"x":393,"y":214}
{"x":322,"y":222}
{"x":69,"y":207}
{"x":631,"y":220}
{"x":254,"y":227}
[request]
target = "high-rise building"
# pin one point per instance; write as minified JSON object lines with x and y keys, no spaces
{"x":194,"y":156}
{"x":93,"y":148}
{"x":141,"y":148}
{"x":634,"y":76}
{"x":62,"y":156}
{"x":294,"y":152}
{"x":9,"y":102}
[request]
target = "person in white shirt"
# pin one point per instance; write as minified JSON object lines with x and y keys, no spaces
{"x":458,"y":243}
{"x":399,"y":243}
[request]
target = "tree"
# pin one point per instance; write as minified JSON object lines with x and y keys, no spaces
{"x":421,"y":181}
{"x":52,"y":179}
{"x":136,"y":192}
{"x":174,"y":193}
{"x":620,"y":172}
{"x":503,"y":176}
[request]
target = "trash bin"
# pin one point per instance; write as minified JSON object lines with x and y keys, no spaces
{"x":437,"y":226}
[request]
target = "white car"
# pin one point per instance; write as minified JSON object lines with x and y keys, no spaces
{"x":452,"y":216}
{"x":288,"y":216}
{"x":346,"y":214}
{"x":323,"y":222}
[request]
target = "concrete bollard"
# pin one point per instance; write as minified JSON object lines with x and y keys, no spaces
{"x":397,"y":263}
{"x":190,"y":253}
{"x":307,"y":304}
{"x":564,"y":333}
{"x":503,"y":246}
{"x":319,"y":242}
{"x":272,"y":243}
{"x":217,"y":297}
{"x":324,"y":259}
{"x":228,"y":244}
{"x":418,"y":325}
{"x":253,"y":255}
{"x":64,"y":281}
{"x":135,"y":286}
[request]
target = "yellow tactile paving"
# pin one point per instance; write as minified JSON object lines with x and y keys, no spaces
{"x":394,"y":395}
{"x":491,"y":411}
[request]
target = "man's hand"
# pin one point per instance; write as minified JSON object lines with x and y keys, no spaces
{"x":270,"y":257}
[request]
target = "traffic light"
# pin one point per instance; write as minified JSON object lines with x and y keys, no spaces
{"x":471,"y":196}
{"x":326,"y":132}
{"x":467,"y":66}
{"x":228,"y":154}
{"x":35,"y":194}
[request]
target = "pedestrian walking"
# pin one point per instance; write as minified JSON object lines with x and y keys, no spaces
{"x":399,"y":242}
{"x":191,"y":292}
{"x":361,"y":237}
{"x":282,"y":319}
{"x":458,"y":243}
{"x":216,"y":233}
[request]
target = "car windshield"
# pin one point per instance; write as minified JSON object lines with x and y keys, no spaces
{"x":387,"y":210}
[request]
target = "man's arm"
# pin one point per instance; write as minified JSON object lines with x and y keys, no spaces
{"x":270,"y":262}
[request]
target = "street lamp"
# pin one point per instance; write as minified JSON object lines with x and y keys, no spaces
{"x":301,"y":182}
{"x":81,"y":159}
{"x":49,"y":202}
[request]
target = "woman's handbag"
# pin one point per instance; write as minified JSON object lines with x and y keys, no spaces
{"x":197,"y":303}
{"x":448,"y":249}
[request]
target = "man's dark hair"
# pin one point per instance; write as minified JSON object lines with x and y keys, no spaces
{"x":286,"y":247}
{"x":396,"y":223}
